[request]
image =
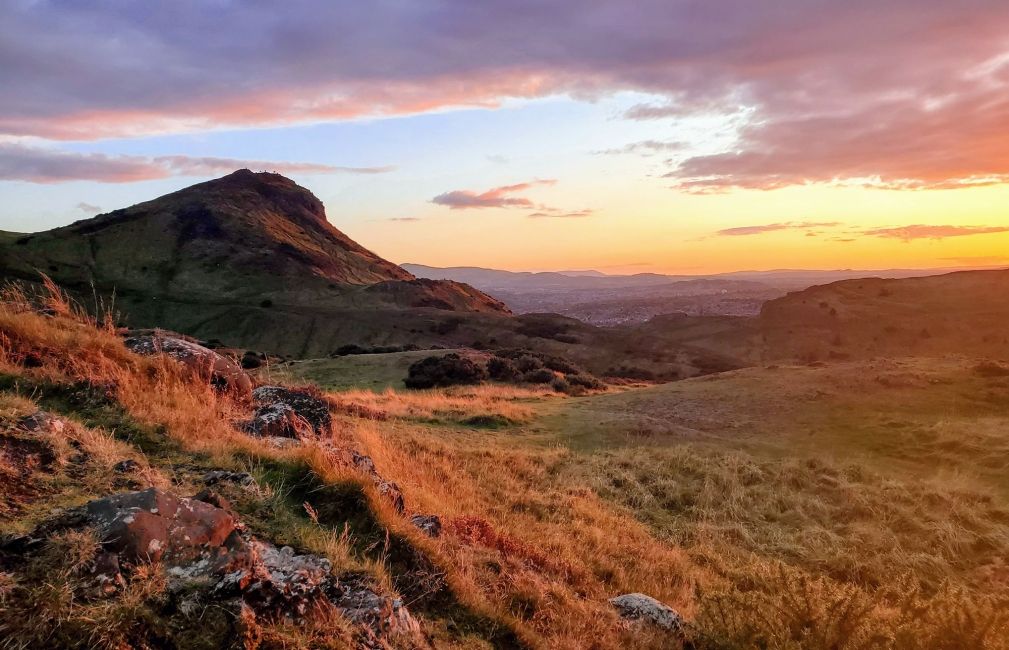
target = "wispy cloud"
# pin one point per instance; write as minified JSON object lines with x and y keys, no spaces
{"x":644,"y":147}
{"x":44,"y":165}
{"x":498,"y":197}
{"x":559,"y":214}
{"x":979,"y":260}
{"x":920,"y":231}
{"x":88,"y":208}
{"x":740,"y":231}
{"x":404,"y":219}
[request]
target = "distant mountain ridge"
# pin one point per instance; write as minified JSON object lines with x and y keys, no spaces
{"x":490,"y":279}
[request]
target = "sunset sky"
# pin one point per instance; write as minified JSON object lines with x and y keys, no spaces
{"x":653,"y":135}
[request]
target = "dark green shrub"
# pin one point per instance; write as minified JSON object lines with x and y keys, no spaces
{"x":528,"y":363}
{"x":538,"y":376}
{"x":449,"y":370}
{"x":585,"y":381}
{"x":502,"y":370}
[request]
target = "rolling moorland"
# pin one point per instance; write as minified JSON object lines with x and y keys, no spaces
{"x":829,"y":473}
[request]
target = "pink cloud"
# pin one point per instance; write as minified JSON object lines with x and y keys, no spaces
{"x":902,"y":94}
{"x":919,"y":231}
{"x":740,"y":231}
{"x":39,"y":165}
{"x":560,"y":214}
{"x":498,"y":197}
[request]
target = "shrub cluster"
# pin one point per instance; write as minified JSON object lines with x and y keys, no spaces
{"x":448,"y":370}
{"x":512,"y":366}
{"x":547,"y":329}
{"x":352,"y":348}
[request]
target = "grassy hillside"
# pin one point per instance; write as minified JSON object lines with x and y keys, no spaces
{"x":964,"y":312}
{"x":850,"y":506}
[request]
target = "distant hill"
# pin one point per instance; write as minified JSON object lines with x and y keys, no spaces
{"x":955,"y":313}
{"x":250,"y":256}
{"x":491,"y":279}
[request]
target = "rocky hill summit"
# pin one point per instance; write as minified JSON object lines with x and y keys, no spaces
{"x":246,"y":239}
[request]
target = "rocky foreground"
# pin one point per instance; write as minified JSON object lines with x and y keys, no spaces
{"x":142,"y":541}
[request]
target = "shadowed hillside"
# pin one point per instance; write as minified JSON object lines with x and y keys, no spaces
{"x":963,"y":313}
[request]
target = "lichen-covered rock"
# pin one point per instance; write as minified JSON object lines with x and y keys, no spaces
{"x":214,"y":477}
{"x":212,"y":562}
{"x":126,"y":466}
{"x":43,"y":422}
{"x":220,"y":370}
{"x":289,"y":412}
{"x":430,"y":525}
{"x":639,"y":607}
{"x":156,"y":526}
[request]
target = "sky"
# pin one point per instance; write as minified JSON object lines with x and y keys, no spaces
{"x":680,"y":136}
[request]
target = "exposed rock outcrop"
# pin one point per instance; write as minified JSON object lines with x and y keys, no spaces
{"x":639,"y":607}
{"x":430,"y":525}
{"x":220,"y":370}
{"x":362,"y":463}
{"x":289,"y":413}
{"x":43,"y":422}
{"x":211,"y":559}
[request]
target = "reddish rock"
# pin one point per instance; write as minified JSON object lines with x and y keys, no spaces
{"x":211,"y":560}
{"x":153,"y":526}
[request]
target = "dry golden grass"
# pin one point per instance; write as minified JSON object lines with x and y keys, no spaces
{"x":760,"y":553}
{"x":455,"y":404}
{"x":548,"y":552}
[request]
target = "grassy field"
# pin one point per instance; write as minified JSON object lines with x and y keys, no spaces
{"x":854,"y":489}
{"x":376,"y":372}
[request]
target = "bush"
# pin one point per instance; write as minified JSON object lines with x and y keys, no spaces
{"x":252,"y":360}
{"x":449,"y":370}
{"x":561,"y":385}
{"x":352,"y":348}
{"x":538,"y":376}
{"x":631,"y":372}
{"x":585,"y":381}
{"x":502,"y":370}
{"x":544,"y":329}
{"x":528,"y":363}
